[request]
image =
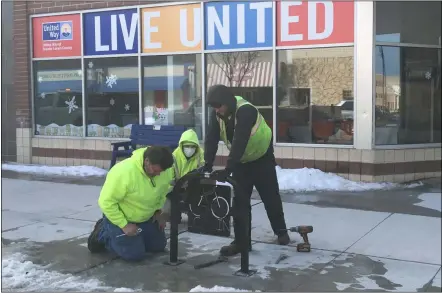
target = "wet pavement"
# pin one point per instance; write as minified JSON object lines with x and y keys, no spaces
{"x":363,"y":241}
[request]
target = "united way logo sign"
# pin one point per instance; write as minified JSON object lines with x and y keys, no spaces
{"x":56,"y":36}
{"x":55,"y":31}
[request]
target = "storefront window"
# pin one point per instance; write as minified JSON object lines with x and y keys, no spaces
{"x":172,"y":91}
{"x":112,"y":95}
{"x":416,"y":22}
{"x":248,"y":74}
{"x":58,"y":98}
{"x":408,"y":95}
{"x":314,"y":96}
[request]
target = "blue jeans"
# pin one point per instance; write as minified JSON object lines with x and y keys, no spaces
{"x":132,"y":248}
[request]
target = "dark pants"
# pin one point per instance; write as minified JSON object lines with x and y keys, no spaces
{"x":260,"y":174}
{"x":133,"y":248}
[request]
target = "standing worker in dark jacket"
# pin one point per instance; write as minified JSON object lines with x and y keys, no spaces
{"x":242,"y":128}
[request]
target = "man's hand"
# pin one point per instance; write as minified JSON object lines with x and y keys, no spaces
{"x":221,"y":175}
{"x":130,"y":229}
{"x":161,"y":218}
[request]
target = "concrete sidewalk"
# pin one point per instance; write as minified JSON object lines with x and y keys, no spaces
{"x":382,"y":241}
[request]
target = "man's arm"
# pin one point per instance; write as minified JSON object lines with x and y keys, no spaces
{"x":212,"y":140}
{"x":245,"y":120}
{"x":114,"y":190}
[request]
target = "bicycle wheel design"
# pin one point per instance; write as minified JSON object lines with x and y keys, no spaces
{"x":196,"y":209}
{"x":220,"y":207}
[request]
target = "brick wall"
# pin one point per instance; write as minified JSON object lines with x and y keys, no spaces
{"x":8,"y":136}
{"x":21,"y":75}
{"x":21,"y":57}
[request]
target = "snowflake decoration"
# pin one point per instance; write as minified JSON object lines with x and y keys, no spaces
{"x":90,"y":64}
{"x":43,"y":95}
{"x":112,"y":102}
{"x":40,"y":79}
{"x":71,"y":105}
{"x":111,"y":80}
{"x":126,"y":107}
{"x":427,"y":75}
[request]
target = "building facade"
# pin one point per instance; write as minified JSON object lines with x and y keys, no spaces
{"x":352,"y":88}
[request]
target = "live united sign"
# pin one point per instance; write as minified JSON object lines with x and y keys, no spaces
{"x":181,"y":28}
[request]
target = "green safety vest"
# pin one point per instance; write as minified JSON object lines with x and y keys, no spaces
{"x":260,"y":136}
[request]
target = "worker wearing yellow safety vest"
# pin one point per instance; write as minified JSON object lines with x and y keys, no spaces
{"x":251,"y":160}
{"x":132,"y":200}
{"x":188,"y":155}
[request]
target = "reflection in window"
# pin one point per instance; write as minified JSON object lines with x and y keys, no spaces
{"x":248,"y":74}
{"x":172,"y":91}
{"x":413,"y":22}
{"x":112,"y":96}
{"x":58,"y":98}
{"x":408,"y":95}
{"x":314,"y":102}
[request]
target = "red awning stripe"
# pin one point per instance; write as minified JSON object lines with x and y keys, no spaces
{"x":260,"y":75}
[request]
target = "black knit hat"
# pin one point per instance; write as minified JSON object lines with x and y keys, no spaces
{"x":219,"y":95}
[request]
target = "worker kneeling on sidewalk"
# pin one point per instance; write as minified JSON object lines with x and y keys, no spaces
{"x":131,"y":200}
{"x":244,"y":131}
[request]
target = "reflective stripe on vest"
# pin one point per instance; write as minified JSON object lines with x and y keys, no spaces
{"x":255,"y":127}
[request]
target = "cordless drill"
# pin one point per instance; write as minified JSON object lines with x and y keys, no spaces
{"x":303,"y":231}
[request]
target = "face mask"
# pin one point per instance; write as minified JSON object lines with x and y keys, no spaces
{"x":189,"y":151}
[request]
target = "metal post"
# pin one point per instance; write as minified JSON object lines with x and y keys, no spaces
{"x":245,"y":246}
{"x":174,"y":220}
{"x":244,"y":239}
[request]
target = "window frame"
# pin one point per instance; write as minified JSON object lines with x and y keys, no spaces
{"x":391,"y":44}
{"x":33,"y":95}
{"x":192,"y":104}
{"x":398,"y":44}
{"x":355,"y":116}
{"x":358,"y":23}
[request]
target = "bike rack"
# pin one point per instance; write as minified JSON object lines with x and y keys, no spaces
{"x":242,"y":217}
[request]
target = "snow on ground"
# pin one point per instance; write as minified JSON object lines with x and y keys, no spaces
{"x":20,"y":274}
{"x":82,"y":171}
{"x":296,"y":180}
{"x":307,"y":179}
{"x":430,"y":201}
{"x":216,"y":288}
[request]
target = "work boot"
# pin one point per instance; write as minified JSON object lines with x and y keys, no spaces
{"x":231,"y":249}
{"x":93,"y":244}
{"x":284,"y":239}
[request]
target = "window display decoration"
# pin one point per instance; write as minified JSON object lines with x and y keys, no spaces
{"x":111,"y":80}
{"x":71,"y":105}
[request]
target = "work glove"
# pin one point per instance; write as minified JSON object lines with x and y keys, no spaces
{"x":221,"y":175}
{"x":161,"y":218}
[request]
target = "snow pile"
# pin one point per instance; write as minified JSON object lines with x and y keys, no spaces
{"x":216,"y":288}
{"x":19,"y":274}
{"x":81,"y":171}
{"x":122,"y":289}
{"x":297,"y":180}
{"x":307,"y":179}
